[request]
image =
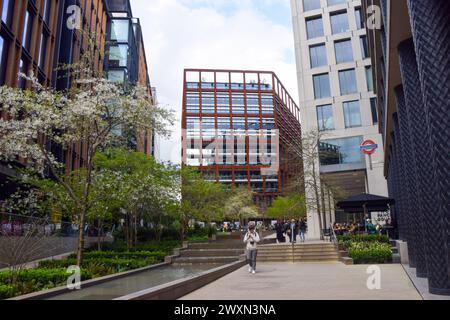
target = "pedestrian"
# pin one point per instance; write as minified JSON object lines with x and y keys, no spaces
{"x":303,"y":227}
{"x":293,"y":231}
{"x":251,"y":239}
{"x":280,"y":232}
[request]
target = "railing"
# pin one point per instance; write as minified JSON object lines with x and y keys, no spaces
{"x":333,"y":238}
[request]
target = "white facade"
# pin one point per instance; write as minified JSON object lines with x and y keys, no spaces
{"x":345,"y":123}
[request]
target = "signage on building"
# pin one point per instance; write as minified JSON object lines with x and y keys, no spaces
{"x":369,"y":147}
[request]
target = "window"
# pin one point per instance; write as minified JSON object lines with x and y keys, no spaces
{"x":23,"y":66}
{"x":3,"y":50}
{"x":6,"y":12}
{"x":369,"y":78}
{"x":118,"y":56}
{"x":119,"y":30}
{"x":334,"y":2}
{"x":253,"y":123}
{"x":364,"y":47}
{"x":208,"y":102}
{"x":314,"y":27}
{"x":192,"y":102}
{"x":267,"y":103}
{"x":116,"y":76}
{"x":311,"y":5}
{"x":223,"y":123}
{"x":359,"y":18}
{"x":239,"y":123}
{"x":373,"y":107}
{"x":339,"y":22}
{"x":252,"y":103}
{"x":352,"y":114}
{"x":325,"y":117}
{"x":47,"y":8}
{"x":223,"y":103}
{"x":42,"y":50}
{"x":27,"y":30}
{"x":344,"y":51}
{"x":238,"y":103}
{"x":321,"y":86}
{"x":341,"y":151}
{"x":347,"y":81}
{"x":268,"y":124}
{"x":318,"y":55}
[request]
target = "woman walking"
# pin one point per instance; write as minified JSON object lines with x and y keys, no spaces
{"x":251,"y":239}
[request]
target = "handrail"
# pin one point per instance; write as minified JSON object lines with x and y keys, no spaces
{"x":333,"y":237}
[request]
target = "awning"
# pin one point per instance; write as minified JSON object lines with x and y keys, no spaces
{"x":365,"y":203}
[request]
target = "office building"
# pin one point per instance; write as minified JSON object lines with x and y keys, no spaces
{"x":233,"y":121}
{"x":336,"y":96}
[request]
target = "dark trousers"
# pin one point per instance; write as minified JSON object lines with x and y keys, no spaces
{"x":251,"y":258}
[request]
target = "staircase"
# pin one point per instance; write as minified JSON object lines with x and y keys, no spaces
{"x":226,"y":249}
{"x":308,"y":252}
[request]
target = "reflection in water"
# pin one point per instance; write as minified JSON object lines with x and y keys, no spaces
{"x":141,"y":281}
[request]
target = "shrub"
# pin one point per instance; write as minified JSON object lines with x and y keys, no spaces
{"x":7,"y":291}
{"x":363,"y":238}
{"x":370,"y":252}
{"x":198,"y":238}
{"x":199,"y":231}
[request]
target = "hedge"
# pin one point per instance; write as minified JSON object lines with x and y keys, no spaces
{"x":7,"y":291}
{"x":158,"y":255}
{"x":364,"y":238}
{"x":370,"y":252}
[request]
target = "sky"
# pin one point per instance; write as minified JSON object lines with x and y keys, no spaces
{"x":219,"y":34}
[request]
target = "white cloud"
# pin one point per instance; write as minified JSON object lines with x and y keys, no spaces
{"x":195,"y":34}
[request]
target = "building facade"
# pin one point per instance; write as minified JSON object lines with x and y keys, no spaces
{"x":410,"y":55}
{"x":36,"y":36}
{"x":237,"y":126}
{"x":336,"y":93}
{"x":126,"y":60}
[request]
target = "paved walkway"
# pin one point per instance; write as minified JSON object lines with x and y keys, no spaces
{"x":308,"y":281}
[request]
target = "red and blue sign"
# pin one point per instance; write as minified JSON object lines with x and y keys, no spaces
{"x":369,"y":147}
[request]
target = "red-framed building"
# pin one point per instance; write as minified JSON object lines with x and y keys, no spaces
{"x":237,"y":126}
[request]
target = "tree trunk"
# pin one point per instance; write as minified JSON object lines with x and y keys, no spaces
{"x":81,"y":238}
{"x":317,"y":196}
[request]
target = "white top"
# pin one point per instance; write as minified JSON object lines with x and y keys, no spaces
{"x":251,"y":237}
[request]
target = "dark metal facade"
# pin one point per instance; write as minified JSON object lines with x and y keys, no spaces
{"x":416,"y":128}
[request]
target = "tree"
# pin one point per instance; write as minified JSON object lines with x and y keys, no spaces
{"x":291,"y":206}
{"x":200,"y":199}
{"x":93,"y":111}
{"x":240,"y":206}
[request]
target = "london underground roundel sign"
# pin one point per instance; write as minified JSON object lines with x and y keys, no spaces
{"x":369,"y":147}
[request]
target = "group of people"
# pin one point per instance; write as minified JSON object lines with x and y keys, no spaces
{"x":291,"y":229}
{"x":356,"y":228}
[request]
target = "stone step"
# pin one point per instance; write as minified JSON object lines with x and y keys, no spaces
{"x":396,"y":258}
{"x":275,"y":259}
{"x":211,"y":252}
{"x":216,"y":245}
{"x":188,"y":260}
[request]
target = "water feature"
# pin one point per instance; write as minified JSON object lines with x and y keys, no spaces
{"x":137,"y":282}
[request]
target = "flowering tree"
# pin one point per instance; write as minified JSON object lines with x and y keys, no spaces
{"x":94,"y":112}
{"x":240,"y":206}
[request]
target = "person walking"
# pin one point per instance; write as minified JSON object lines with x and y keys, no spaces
{"x":280,"y":232}
{"x":293,"y":228}
{"x":251,"y":239}
{"x":303,"y":227}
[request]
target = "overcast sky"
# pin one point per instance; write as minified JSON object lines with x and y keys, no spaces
{"x":220,"y":34}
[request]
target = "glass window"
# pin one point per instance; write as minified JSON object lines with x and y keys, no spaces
{"x":27,"y":30}
{"x":339,"y":22}
{"x":325,"y":117}
{"x":120,"y":30}
{"x":268,"y":124}
{"x":314,"y":27}
{"x":311,"y":5}
{"x":118,"y":56}
{"x":373,"y":107}
{"x":321,"y":86}
{"x":333,"y":2}
{"x":116,"y":76}
{"x":253,"y":123}
{"x":341,"y":151}
{"x":359,"y":18}
{"x":347,"y":81}
{"x":344,"y":51}
{"x":364,"y":47}
{"x":223,"y":123}
{"x":47,"y":8}
{"x":352,"y":114}
{"x":238,"y":103}
{"x":6,"y":12}
{"x":369,"y":78}
{"x":318,"y":55}
{"x":42,"y":50}
{"x":238,"y":123}
{"x":23,"y":66}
